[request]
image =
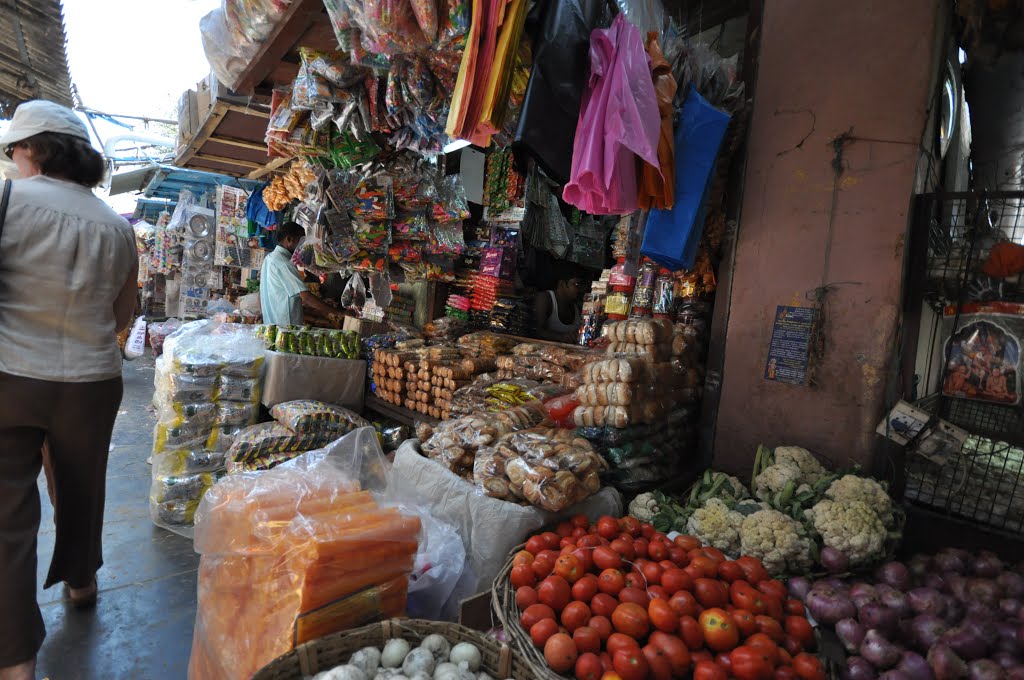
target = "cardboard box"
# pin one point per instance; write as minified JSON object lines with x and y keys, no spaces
{"x":209,"y":91}
{"x":287,"y":377}
{"x":188,"y":116}
{"x":364,"y":327}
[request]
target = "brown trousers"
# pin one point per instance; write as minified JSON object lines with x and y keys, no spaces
{"x":76,"y":420}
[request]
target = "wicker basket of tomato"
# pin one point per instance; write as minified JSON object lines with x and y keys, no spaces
{"x":617,"y":599}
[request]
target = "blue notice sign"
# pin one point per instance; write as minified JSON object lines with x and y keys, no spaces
{"x":789,"y":352}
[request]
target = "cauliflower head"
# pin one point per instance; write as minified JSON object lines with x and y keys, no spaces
{"x":851,"y":527}
{"x":778,"y":540}
{"x":716,"y":525}
{"x":853,"y":488}
{"x":733,"y":487}
{"x":811,"y":471}
{"x":644,"y":507}
{"x":774,"y":479}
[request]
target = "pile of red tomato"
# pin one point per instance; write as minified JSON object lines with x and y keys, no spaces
{"x":617,"y":600}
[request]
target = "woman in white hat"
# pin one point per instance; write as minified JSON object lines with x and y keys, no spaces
{"x":68,"y":269}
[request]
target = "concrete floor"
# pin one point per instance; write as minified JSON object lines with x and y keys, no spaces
{"x":141,"y":628}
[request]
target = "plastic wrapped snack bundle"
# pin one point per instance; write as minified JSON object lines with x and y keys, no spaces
{"x":308,"y":416}
{"x":207,"y":388}
{"x":295,"y":553}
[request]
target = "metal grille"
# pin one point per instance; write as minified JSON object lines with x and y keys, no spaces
{"x":983,"y":483}
{"x":962,"y":228}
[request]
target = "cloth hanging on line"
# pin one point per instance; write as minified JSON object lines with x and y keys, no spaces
{"x":672,"y":236}
{"x":657,"y":184}
{"x":480,"y":101}
{"x":619,"y":121}
{"x":551,"y":106}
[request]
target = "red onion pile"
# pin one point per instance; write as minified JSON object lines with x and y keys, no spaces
{"x":950,"y":616}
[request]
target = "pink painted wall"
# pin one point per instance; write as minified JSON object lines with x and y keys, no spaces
{"x":825,"y":67}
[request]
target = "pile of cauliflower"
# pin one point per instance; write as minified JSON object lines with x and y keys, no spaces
{"x":854,"y":518}
{"x":778,"y":540}
{"x":795,"y":501}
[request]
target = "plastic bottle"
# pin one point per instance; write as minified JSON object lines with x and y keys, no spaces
{"x":616,"y":306}
{"x":643,"y":292}
{"x":664,"y":295}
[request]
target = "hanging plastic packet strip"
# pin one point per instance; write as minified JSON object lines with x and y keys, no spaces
{"x":254,"y":20}
{"x":446,"y":239}
{"x":333,"y":66}
{"x":364,"y":52}
{"x":308,"y":88}
{"x":405,"y":251}
{"x":410,"y":227}
{"x":372,"y":235}
{"x":391,"y":26}
{"x":451,"y":205}
{"x":284,"y":117}
{"x":340,"y":16}
{"x":375,"y":198}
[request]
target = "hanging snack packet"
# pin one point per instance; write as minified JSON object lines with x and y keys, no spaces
{"x":426,"y":17}
{"x":410,"y":226}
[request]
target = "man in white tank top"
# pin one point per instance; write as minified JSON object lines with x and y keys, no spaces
{"x":556,"y":316}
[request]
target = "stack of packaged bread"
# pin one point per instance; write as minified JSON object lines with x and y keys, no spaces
{"x":550,"y":468}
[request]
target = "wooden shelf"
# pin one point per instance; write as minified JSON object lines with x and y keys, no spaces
{"x":231,"y":142}
{"x":305,"y":24}
{"x":398,"y":413}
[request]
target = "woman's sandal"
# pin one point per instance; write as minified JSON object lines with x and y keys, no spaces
{"x":84,"y":598}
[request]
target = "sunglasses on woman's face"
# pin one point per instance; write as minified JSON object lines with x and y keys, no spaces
{"x":9,"y":149}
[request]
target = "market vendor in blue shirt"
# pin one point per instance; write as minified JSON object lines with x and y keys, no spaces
{"x":282,"y":290}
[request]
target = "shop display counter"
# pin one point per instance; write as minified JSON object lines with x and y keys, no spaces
{"x":288,"y":377}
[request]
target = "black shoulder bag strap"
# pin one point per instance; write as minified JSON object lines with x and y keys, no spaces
{"x":3,"y":204}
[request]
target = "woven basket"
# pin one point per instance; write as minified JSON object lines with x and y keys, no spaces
{"x":334,"y":650}
{"x":503,"y":602}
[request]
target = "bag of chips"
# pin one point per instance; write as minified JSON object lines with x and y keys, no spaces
{"x":309,"y":416}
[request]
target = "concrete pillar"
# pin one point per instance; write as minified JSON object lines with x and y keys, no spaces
{"x":825,"y":69}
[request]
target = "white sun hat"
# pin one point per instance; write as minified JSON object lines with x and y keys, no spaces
{"x":37,"y":116}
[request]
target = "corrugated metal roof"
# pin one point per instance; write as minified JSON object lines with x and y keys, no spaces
{"x":33,"y":55}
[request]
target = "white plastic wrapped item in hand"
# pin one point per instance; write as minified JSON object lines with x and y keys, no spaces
{"x":296,"y":553}
{"x":136,"y":345}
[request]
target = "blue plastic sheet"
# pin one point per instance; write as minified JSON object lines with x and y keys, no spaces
{"x":672,"y":236}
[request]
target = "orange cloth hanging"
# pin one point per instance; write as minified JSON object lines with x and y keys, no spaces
{"x":467,"y":74}
{"x":480,"y":101}
{"x":496,"y":96}
{"x":657,"y":184}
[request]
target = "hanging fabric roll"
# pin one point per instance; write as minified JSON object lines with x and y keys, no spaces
{"x":657,"y":184}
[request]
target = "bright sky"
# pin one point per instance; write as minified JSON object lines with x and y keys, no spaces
{"x":134,"y":57}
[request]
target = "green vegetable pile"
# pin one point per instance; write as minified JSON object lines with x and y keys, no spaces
{"x":799,"y":514}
